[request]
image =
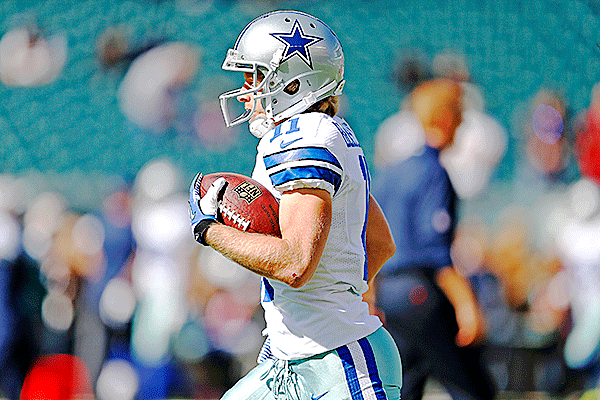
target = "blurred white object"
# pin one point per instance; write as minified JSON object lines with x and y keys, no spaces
{"x":478,"y":147}
{"x":117,"y":381}
{"x":583,"y":343}
{"x":580,"y":252}
{"x":28,"y":58}
{"x":88,"y":235}
{"x":117,"y":303}
{"x":157,"y":180}
{"x":221,"y":271}
{"x":41,"y":221}
{"x":578,"y":240}
{"x":57,"y":311}
{"x":11,"y":193}
{"x":163,"y":227}
{"x":161,"y":221}
{"x":10,"y":236}
{"x":160,"y":286}
{"x":472,"y":97}
{"x":585,"y":199}
{"x":155,"y":274}
{"x":398,"y":138}
{"x":160,"y":269}
{"x":146,"y":95}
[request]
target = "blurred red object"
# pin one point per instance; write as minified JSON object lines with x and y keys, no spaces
{"x":57,"y":377}
{"x":588,"y":146}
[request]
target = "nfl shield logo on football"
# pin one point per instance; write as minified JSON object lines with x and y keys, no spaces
{"x":248,"y":191}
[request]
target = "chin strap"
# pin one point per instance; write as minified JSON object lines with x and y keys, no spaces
{"x":261,"y":125}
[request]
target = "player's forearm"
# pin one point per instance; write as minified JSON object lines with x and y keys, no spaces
{"x":456,"y":287}
{"x":267,"y":256}
{"x":458,"y":290}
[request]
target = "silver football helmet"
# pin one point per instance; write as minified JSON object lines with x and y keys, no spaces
{"x":300,"y":58}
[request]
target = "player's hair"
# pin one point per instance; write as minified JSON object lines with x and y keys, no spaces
{"x":328,"y":105}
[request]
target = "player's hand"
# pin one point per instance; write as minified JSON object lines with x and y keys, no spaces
{"x":203,"y":210}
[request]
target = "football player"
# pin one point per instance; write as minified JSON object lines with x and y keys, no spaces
{"x":321,"y":341}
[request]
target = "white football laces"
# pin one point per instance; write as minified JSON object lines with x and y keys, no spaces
{"x":233,"y":216}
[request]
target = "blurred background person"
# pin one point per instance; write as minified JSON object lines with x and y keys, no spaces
{"x":31,"y":57}
{"x":157,"y":74}
{"x":579,"y":249}
{"x":480,"y":141}
{"x":400,"y":134}
{"x":546,"y":166}
{"x":521,"y":292}
{"x":152,"y":89}
{"x":429,"y":307}
{"x":521,"y":285}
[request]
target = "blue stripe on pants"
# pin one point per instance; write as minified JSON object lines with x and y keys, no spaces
{"x":372,"y":366}
{"x":350,"y":371}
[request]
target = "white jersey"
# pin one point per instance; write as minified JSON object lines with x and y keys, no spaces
{"x":314,"y":150}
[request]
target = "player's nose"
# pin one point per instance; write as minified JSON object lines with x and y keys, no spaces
{"x":245,"y":98}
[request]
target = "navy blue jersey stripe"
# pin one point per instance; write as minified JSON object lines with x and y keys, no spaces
{"x":294,"y":174}
{"x":372,"y":366}
{"x":303,"y":153}
{"x":363,"y":235}
{"x":350,"y":371}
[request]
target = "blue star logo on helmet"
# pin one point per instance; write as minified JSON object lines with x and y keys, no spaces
{"x":297,"y":43}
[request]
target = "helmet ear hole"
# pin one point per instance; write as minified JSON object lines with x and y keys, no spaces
{"x":292,"y":88}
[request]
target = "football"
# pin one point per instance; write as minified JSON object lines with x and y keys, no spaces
{"x":245,"y":204}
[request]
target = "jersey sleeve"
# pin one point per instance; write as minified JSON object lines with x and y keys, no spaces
{"x":304,"y":159}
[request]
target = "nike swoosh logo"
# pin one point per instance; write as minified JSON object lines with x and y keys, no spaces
{"x":313,"y":397}
{"x":286,"y":144}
